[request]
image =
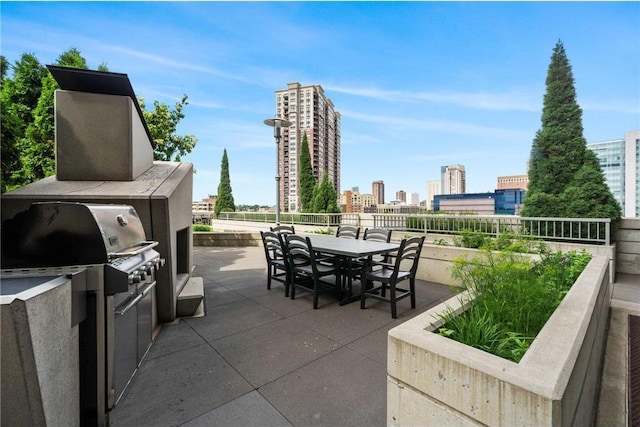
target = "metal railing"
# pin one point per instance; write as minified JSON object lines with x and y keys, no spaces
{"x":322,"y":220}
{"x":579,"y":230}
{"x":585,"y":230}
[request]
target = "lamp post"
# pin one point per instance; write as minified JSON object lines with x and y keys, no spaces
{"x":277,"y":124}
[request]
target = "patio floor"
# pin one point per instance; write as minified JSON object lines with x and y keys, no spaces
{"x":259,"y":359}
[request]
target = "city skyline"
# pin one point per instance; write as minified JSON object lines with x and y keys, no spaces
{"x":418,"y":85}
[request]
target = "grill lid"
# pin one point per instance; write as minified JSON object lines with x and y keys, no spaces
{"x":65,"y":233}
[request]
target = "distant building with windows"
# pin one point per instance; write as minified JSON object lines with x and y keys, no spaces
{"x":433,"y":189}
{"x":351,"y":201}
{"x":415,"y":199}
{"x":310,"y":112}
{"x":500,"y":202}
{"x":453,"y":179}
{"x":207,"y":204}
{"x":401,"y":196}
{"x":620,"y":163}
{"x":378,"y":192}
{"x":513,"y":181}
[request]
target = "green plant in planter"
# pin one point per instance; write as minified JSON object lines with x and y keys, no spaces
{"x":202,"y":227}
{"x":470,"y":239}
{"x":514,"y":296}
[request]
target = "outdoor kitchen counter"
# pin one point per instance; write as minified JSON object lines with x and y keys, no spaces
{"x":39,"y":367}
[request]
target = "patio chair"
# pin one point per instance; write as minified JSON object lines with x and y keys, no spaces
{"x":277,"y":263}
{"x":354,"y":269}
{"x":378,"y":235}
{"x":284,"y":229}
{"x":389,"y":275}
{"x":306,"y":272}
{"x":348,"y":231}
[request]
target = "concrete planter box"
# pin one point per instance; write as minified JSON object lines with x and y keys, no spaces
{"x":433,"y":380}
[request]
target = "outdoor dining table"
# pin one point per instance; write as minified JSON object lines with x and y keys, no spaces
{"x":348,"y":250}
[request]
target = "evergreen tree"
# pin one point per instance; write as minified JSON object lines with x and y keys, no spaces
{"x":19,"y":98}
{"x":38,"y":147}
{"x":307,"y":179}
{"x":565,"y":179}
{"x":325,"y":199}
{"x":224,"y":202}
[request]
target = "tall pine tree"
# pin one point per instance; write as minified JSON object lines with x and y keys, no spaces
{"x":224,"y":201}
{"x":306,"y":177}
{"x":565,"y":178}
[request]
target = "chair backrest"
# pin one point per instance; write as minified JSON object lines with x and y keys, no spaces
{"x":410,"y":249}
{"x":272,"y":245}
{"x":377,"y":234}
{"x":298,"y":249}
{"x":284,"y":229}
{"x":348,"y":231}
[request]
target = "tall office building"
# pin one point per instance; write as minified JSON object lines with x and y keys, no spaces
{"x":434,"y":188}
{"x":415,"y":199}
{"x":310,"y":112}
{"x":378,"y":192}
{"x":401,"y":196}
{"x":453,"y":179}
{"x":620,"y":163}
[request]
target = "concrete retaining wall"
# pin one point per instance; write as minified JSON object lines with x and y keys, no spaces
{"x":433,"y":380}
{"x":235,"y":239}
{"x":628,"y":246}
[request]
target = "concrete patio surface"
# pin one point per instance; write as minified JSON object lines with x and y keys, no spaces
{"x":259,"y":359}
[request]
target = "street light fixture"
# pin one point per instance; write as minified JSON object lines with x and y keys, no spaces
{"x":277,"y":123}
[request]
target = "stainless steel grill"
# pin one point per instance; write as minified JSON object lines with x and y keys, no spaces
{"x":61,"y":238}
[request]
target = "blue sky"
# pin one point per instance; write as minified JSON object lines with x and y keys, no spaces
{"x":419,"y":85}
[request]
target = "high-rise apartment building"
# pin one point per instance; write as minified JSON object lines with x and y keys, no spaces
{"x":415,"y":199}
{"x":620,"y":163}
{"x":453,"y":179}
{"x":310,"y":112}
{"x":434,"y":188}
{"x":401,"y":196}
{"x":378,"y":192}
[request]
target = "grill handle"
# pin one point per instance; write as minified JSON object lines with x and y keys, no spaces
{"x":144,"y":246}
{"x":128,"y":306}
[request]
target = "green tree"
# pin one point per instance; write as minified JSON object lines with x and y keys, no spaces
{"x":224,"y":202}
{"x":325,"y":199}
{"x":588,"y":195}
{"x":19,"y":98}
{"x":162,"y":123}
{"x":38,"y":147}
{"x":565,"y":179}
{"x":306,"y":177}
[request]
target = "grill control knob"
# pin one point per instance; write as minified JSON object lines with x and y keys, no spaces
{"x":134,"y":278}
{"x":142,"y":274}
{"x":149,"y":268}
